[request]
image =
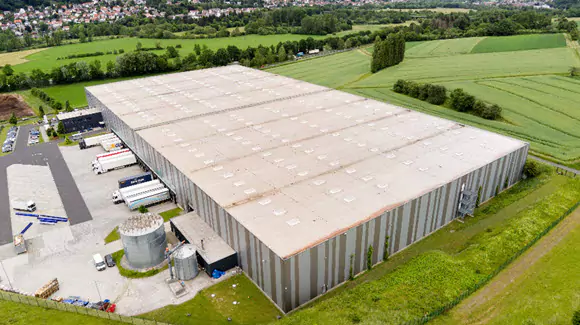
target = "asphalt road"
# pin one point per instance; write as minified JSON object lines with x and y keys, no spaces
{"x":44,"y":154}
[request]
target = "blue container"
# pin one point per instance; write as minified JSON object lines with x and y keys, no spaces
{"x":134,"y":180}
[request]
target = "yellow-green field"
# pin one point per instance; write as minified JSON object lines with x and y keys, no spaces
{"x":441,"y":10}
{"x":540,"y":103}
{"x":14,"y":58}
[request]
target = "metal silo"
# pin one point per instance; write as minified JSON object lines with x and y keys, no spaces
{"x":185,"y":262}
{"x":144,"y":240}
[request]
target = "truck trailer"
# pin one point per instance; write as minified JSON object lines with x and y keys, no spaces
{"x":94,"y":141}
{"x":115,"y":163}
{"x":112,"y":144}
{"x":135,"y":179}
{"x":111,"y":155}
{"x":148,"y":198}
{"x":24,"y":205}
{"x":120,"y":195}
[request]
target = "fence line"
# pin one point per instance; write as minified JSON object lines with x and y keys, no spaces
{"x":45,"y":303}
{"x":477,"y":286}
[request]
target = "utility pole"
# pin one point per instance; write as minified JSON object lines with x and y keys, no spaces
{"x":96,"y":286}
{"x":7,"y":277}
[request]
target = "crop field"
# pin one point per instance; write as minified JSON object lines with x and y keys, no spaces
{"x":14,"y":58}
{"x":519,"y":43}
{"x":339,"y":70}
{"x":540,"y":103}
{"x":47,"y":59}
{"x":442,"y":10}
{"x":475,"y":66}
{"x":442,"y":47}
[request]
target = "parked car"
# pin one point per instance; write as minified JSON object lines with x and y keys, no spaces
{"x":109,"y":260}
{"x":6,"y":148}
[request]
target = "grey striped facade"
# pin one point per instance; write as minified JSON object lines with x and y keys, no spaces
{"x":292,"y":281}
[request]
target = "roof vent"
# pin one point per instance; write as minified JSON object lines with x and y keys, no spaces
{"x":239,"y":183}
{"x":374,"y":149}
{"x":443,"y":148}
{"x":256,"y":148}
{"x":391,"y":156}
{"x":228,"y":175}
{"x":423,"y":169}
{"x":335,"y":134}
{"x":322,"y":157}
{"x":266,"y":154}
{"x":278,"y":160}
{"x":407,"y":162}
{"x":218,"y":168}
{"x":303,"y":173}
{"x":309,"y":151}
{"x":367,"y":178}
{"x":208,"y":162}
{"x":351,"y":171}
{"x":285,"y":140}
{"x":290,"y":167}
{"x":334,"y":163}
{"x":250,"y":191}
{"x":319,"y":182}
{"x":382,"y":185}
{"x":297,"y":145}
{"x":199,"y":155}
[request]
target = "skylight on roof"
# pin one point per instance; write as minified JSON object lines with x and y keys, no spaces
{"x":265,"y":201}
{"x":218,"y":168}
{"x":351,"y":171}
{"x":318,"y":182}
{"x":228,"y":175}
{"x":367,"y":178}
{"x":239,"y":183}
{"x":279,"y":212}
{"x":335,"y":190}
{"x":382,"y":185}
{"x":349,"y":199}
{"x":303,"y":173}
{"x":250,"y":191}
{"x":293,"y":222}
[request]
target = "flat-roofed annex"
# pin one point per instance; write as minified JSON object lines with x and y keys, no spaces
{"x":301,"y":163}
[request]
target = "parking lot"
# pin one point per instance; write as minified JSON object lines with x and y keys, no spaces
{"x":64,"y":251}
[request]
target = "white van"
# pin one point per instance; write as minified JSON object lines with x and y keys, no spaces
{"x":29,"y":206}
{"x":99,"y":262}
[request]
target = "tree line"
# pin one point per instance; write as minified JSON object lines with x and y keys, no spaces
{"x":388,"y":52}
{"x":458,"y":100}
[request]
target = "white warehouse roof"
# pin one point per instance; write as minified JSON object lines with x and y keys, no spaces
{"x":76,"y":113}
{"x":296,"y":163}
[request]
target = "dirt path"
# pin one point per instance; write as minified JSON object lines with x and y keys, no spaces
{"x":499,"y":287}
{"x":365,"y":52}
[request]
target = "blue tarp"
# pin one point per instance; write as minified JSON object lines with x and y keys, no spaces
{"x":216,"y":274}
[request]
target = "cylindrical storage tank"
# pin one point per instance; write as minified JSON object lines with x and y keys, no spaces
{"x":144,"y":240}
{"x":185,"y":262}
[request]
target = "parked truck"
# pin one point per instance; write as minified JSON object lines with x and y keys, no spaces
{"x":24,"y":205}
{"x":95,"y":141}
{"x":107,"y":160}
{"x":121,"y":194}
{"x":148,"y":198}
{"x":111,"y":154}
{"x":112,"y":144}
{"x":115,"y":163}
{"x":135,"y":179}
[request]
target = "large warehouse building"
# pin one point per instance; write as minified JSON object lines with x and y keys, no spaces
{"x":300,"y":179}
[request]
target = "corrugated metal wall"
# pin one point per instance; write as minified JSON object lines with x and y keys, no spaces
{"x":294,"y":281}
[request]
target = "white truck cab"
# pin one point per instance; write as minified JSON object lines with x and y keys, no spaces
{"x":24,"y":205}
{"x":99,"y":262}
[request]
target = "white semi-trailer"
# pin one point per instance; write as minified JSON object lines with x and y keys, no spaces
{"x":148,"y":198}
{"x":120,"y":194}
{"x":115,"y":163}
{"x":94,"y":141}
{"x":111,"y":155}
{"x":112,"y":144}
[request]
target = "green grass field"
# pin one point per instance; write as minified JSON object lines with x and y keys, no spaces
{"x":170,"y":214}
{"x":253,"y":307}
{"x":439,"y":268}
{"x":442,"y":47}
{"x":547,"y":293}
{"x":519,"y":43}
{"x":20,"y":314}
{"x":47,"y":59}
{"x":540,"y":103}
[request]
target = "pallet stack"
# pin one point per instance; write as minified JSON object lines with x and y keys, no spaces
{"x":48,"y":289}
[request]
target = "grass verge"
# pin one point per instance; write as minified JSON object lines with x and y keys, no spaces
{"x":455,"y":258}
{"x":170,"y":214}
{"x":253,"y":307}
{"x":113,"y":236}
{"x":118,"y":255}
{"x":20,"y":314}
